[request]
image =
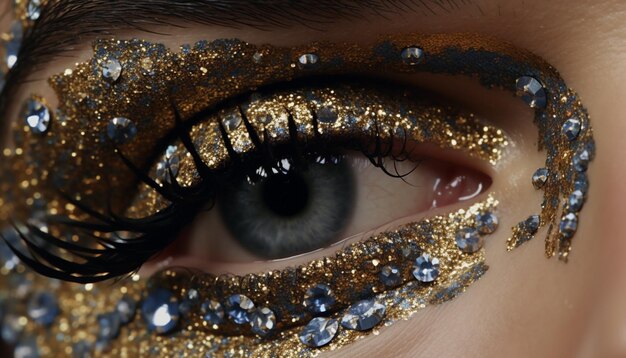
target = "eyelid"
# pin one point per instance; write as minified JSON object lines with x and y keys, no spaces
{"x":333,"y":114}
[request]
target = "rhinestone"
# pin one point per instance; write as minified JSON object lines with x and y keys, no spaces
{"x":575,"y":201}
{"x":568,"y":226}
{"x":33,"y":10}
{"x":531,"y":224}
{"x":319,"y":299}
{"x":82,"y":349}
{"x":319,"y":331}
{"x":531,"y":91}
{"x":263,"y":321}
{"x":26,"y":348}
{"x":308,"y":61}
{"x":581,"y":160}
{"x":327,"y":115}
{"x":169,"y":165}
{"x":581,"y":183}
{"x":112,"y":70}
{"x":571,"y":128}
{"x":540,"y":178}
{"x":486,"y":223}
{"x":37,"y":116}
{"x":239,"y":308}
{"x":390,"y":276}
{"x":11,"y":328}
{"x":257,"y":57}
{"x":189,"y":302}
{"x":12,"y":47}
{"x":212,"y":312}
{"x":8,"y":259}
{"x":426,"y":268}
{"x":121,"y":130}
{"x":363,"y":315}
{"x":469,"y":240}
{"x":160,"y":311}
{"x":109,"y":324}
{"x":43,"y":308}
{"x":264,"y":119}
{"x":412,"y":55}
{"x":126,"y":308}
{"x":232,"y":121}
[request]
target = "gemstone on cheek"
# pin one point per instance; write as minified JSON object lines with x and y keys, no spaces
{"x":37,"y":116}
{"x":212,"y":312}
{"x":426,"y":268}
{"x":43,"y":308}
{"x":126,"y":308}
{"x":540,"y":177}
{"x":363,"y":315}
{"x":571,"y":128}
{"x":319,"y":332}
{"x":319,"y":299}
{"x":486,"y":223}
{"x":308,"y":61}
{"x":469,"y":240}
{"x":112,"y":70}
{"x":159,"y":311}
{"x":263,"y":321}
{"x":412,"y":55}
{"x":121,"y":130}
{"x":390,"y":276}
{"x":239,"y":308}
{"x":568,"y":225}
{"x":531,"y":91}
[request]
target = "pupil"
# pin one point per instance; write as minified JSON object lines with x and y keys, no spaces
{"x":286,"y":194}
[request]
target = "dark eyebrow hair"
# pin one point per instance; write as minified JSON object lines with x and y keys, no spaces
{"x":64,"y":25}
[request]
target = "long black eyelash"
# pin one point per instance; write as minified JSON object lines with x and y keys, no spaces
{"x":116,"y":256}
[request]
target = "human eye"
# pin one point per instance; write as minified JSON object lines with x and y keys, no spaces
{"x":293,"y":198}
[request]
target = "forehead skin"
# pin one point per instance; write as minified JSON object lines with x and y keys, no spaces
{"x":526,"y":305}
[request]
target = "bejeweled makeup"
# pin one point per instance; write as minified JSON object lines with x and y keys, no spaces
{"x":213,"y":103}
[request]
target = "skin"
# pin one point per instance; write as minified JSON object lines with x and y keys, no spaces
{"x":526,"y":305}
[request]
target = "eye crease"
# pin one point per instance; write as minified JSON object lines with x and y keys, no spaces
{"x":221,"y":150}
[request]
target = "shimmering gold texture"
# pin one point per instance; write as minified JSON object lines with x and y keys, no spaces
{"x":77,"y":157}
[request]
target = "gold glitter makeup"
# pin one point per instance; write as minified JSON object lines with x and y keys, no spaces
{"x":136,"y":104}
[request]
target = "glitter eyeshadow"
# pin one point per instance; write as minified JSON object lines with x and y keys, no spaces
{"x":129,"y":108}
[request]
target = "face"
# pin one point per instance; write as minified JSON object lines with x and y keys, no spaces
{"x":307,"y":181}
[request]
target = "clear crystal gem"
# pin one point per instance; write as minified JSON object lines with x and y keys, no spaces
{"x":37,"y":116}
{"x":12,"y":328}
{"x":308,"y":60}
{"x":531,"y":224}
{"x":571,"y":128}
{"x":111,"y":70}
{"x":469,"y":240}
{"x":581,"y":183}
{"x":26,"y":348}
{"x":126,"y":308}
{"x":363,"y":315}
{"x":8,"y":259}
{"x":239,"y":308}
{"x":212,"y":312}
{"x":568,"y":225}
{"x":257,"y":57}
{"x":531,"y":91}
{"x":160,"y":311}
{"x":581,"y":160}
{"x":327,"y":114}
{"x":43,"y":308}
{"x":109,"y":326}
{"x":412,"y":55}
{"x":12,"y":47}
{"x":390,"y":276}
{"x":426,"y":268}
{"x":319,"y":299}
{"x":486,"y":223}
{"x":232,"y":121}
{"x":169,"y":165}
{"x":540,"y":177}
{"x":121,"y":130}
{"x":264,"y":118}
{"x":319,"y":332}
{"x":575,"y":201}
{"x":263,"y":321}
{"x":190,"y":300}
{"x":33,"y":10}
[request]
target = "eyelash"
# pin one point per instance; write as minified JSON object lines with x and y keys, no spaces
{"x":120,"y":256}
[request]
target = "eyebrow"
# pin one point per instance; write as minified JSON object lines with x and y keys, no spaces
{"x":65,"y":25}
